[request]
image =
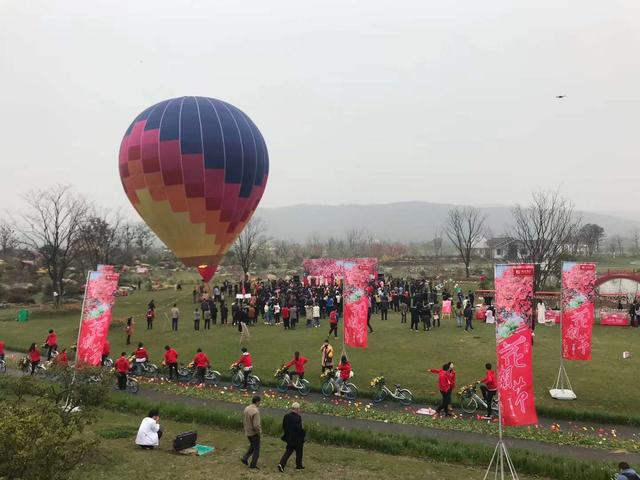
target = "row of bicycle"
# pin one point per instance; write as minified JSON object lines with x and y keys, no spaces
{"x":470,"y":401}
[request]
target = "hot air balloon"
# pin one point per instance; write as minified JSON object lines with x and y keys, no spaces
{"x":195,"y":169}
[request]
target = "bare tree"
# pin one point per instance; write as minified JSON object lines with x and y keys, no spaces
{"x":8,"y":237}
{"x":636,"y":242}
{"x":591,"y":236}
{"x":53,"y":227}
{"x":249,"y":244}
{"x":545,"y":229}
{"x":437,"y":243}
{"x":144,"y":237}
{"x":127,"y":234}
{"x":355,"y":240}
{"x":465,"y":228}
{"x":100,"y":238}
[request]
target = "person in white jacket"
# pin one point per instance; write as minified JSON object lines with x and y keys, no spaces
{"x":149,"y":433}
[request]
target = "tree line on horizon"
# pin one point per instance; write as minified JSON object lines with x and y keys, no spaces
{"x":64,"y":232}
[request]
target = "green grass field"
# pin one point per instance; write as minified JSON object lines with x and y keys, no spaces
{"x":119,"y":458}
{"x":602,"y":385}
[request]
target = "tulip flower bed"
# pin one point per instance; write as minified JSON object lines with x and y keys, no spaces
{"x":579,"y":436}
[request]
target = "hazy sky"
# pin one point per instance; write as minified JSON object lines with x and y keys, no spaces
{"x":358,"y":101}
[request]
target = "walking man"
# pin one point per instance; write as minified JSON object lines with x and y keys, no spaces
{"x":333,"y":323}
{"x":293,"y":436}
{"x":468,"y":316}
{"x":253,"y":430}
{"x":175,"y":315}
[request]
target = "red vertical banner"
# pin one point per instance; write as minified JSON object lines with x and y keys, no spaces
{"x":99,"y":298}
{"x":355,"y":273}
{"x":578,"y":291}
{"x":514,"y":305}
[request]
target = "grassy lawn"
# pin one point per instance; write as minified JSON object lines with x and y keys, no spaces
{"x":119,"y":458}
{"x":394,"y":351}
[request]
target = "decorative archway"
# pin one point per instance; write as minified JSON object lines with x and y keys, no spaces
{"x":617,"y":275}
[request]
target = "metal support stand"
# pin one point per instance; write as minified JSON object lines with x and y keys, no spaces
{"x":562,"y":390}
{"x":501,"y":463}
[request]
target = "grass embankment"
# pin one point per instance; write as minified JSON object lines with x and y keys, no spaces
{"x":459,"y":456}
{"x":400,"y":355}
{"x":603,"y":439}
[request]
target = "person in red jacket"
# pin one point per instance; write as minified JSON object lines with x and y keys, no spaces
{"x":489,"y":387}
{"x":298,"y":362}
{"x":141,"y":357}
{"x":344,"y":367}
{"x":1,"y":350}
{"x":106,"y":350}
{"x":286,"y":314}
{"x":333,"y":323}
{"x":171,"y":361}
{"x":52,"y":343}
{"x":445,"y":378}
{"x":62,"y":358}
{"x":122,"y":367}
{"x":246,"y":364}
{"x":201,"y":363}
{"x":34,"y":357}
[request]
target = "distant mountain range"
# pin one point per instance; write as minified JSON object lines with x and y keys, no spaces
{"x":404,"y":221}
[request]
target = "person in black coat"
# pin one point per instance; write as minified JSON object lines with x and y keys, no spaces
{"x":293,"y":436}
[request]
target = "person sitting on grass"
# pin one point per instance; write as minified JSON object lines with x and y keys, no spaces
{"x":149,"y":433}
{"x":626,"y":472}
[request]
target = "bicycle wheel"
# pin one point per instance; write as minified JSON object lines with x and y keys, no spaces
{"x":212,"y":377}
{"x":108,"y":362}
{"x":236,"y":379}
{"x":468,"y":404}
{"x":351,"y":391}
{"x":405,"y":396}
{"x":327,"y":388}
{"x":379,"y":395}
{"x":305,"y":387}
{"x":282,"y":385}
{"x":132,"y":385}
{"x":151,"y":369}
{"x":3,"y":367}
{"x":254,"y":383}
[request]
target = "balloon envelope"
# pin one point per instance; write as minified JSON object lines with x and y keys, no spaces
{"x":195,"y":169}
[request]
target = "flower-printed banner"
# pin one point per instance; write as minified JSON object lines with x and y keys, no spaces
{"x":356,"y":273}
{"x":578,"y":291}
{"x":514,"y":306}
{"x":99,"y":297}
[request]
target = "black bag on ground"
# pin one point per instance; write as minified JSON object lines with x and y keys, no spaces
{"x":184,"y":441}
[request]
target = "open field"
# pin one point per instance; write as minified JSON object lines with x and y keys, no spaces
{"x":602,"y":385}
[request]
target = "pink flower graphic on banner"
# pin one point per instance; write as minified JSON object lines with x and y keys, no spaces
{"x":578,"y":283}
{"x":514,"y":296}
{"x":96,"y":315}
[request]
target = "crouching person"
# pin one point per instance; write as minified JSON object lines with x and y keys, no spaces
{"x":149,"y":433}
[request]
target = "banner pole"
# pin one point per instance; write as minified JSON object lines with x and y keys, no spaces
{"x":84,"y":298}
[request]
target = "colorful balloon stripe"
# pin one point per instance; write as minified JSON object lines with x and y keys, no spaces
{"x":195,"y":169}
